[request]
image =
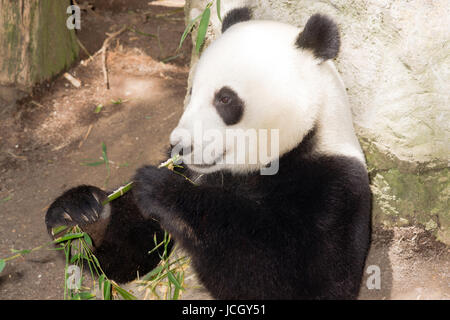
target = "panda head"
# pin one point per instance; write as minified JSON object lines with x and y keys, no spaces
{"x":256,"y":92}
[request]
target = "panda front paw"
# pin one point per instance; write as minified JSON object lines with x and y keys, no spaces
{"x":78,"y":206}
{"x":154,"y":188}
{"x":152,"y":181}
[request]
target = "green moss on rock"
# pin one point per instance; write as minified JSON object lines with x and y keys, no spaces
{"x":409,"y":193}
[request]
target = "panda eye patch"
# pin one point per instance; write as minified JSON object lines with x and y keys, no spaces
{"x":229,"y":105}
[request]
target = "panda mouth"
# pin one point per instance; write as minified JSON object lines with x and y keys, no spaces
{"x":203,"y":166}
{"x":208,"y":165}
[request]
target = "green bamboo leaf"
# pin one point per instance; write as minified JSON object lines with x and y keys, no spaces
{"x":202,"y":28}
{"x":125,"y":294}
{"x":187,"y":30}
{"x":59,"y":229}
{"x":98,"y":108}
{"x":83,"y":296}
{"x":107,"y":290}
{"x":181,"y":277}
{"x":168,"y":59}
{"x":74,"y":258}
{"x":101,"y":279}
{"x":77,"y":257}
{"x":2,"y":265}
{"x":93,"y":164}
{"x":20,"y":251}
{"x":118,"y":101}
{"x":70,"y":236}
{"x":218,"y":10}
{"x":104,"y":151}
{"x":176,"y":293}
{"x":67,"y":251}
{"x":87,"y":239}
{"x":153,"y":273}
{"x":6,"y":199}
{"x":96,"y":261}
{"x":159,"y":278}
{"x":173,"y":280}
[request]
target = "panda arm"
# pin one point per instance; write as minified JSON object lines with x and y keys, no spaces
{"x":121,"y":237}
{"x":191,"y":212}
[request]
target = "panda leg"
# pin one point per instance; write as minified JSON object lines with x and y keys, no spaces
{"x":121,"y":236}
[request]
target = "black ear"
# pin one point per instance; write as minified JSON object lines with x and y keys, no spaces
{"x":321,"y":36}
{"x":236,"y":15}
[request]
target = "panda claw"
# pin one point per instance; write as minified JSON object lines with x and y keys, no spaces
{"x":95,"y":197}
{"x":67,"y":216}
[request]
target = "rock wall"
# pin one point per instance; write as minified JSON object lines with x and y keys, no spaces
{"x":395,"y":61}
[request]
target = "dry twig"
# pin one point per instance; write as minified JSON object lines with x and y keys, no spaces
{"x":74,"y":81}
{"x":85,"y":136}
{"x":103,"y":51}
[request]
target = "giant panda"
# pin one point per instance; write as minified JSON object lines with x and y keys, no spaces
{"x":301,"y":231}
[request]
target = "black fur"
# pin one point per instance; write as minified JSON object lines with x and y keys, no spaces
{"x":121,"y":242}
{"x":321,"y":35}
{"x":301,"y":234}
{"x":235,"y":16}
{"x":228,"y":105}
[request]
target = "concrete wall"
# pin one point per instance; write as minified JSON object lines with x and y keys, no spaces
{"x":395,"y":61}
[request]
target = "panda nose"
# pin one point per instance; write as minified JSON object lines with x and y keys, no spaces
{"x":181,"y":150}
{"x":174,"y":144}
{"x":180,"y":147}
{"x":181,"y":141}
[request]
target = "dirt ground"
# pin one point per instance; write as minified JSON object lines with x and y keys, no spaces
{"x":45,"y":139}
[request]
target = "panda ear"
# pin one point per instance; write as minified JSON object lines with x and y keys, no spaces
{"x":321,"y":36}
{"x":235,"y":16}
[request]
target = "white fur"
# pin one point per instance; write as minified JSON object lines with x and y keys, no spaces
{"x":282,"y":86}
